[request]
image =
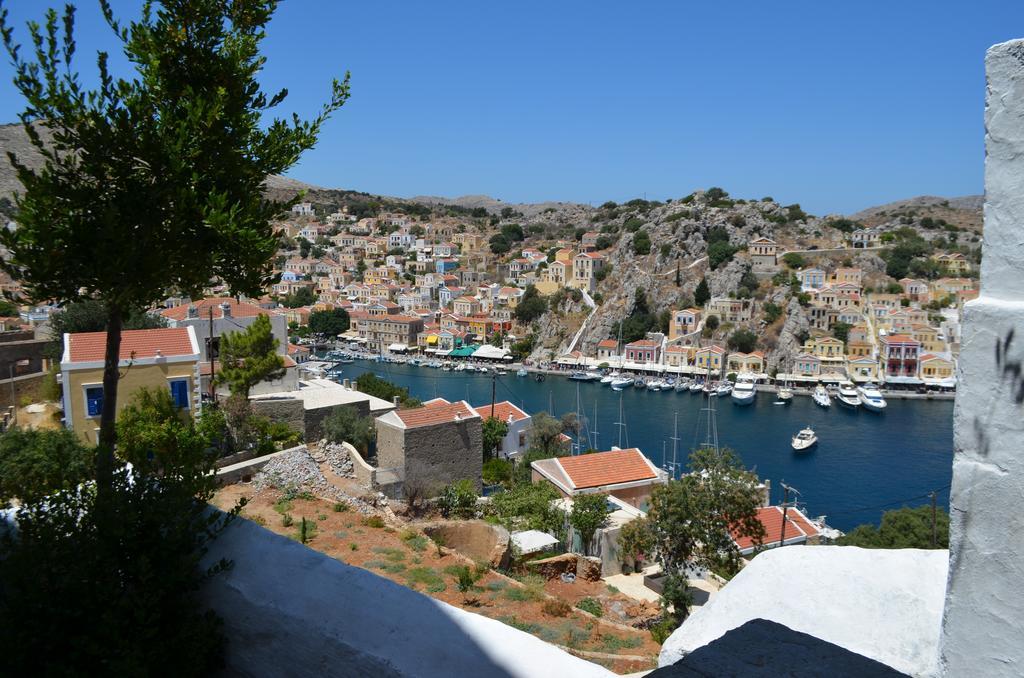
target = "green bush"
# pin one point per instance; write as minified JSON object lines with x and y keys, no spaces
{"x":633,"y":224}
{"x":592,"y":606}
{"x":497,"y":471}
{"x":37,"y":462}
{"x":344,"y":425}
{"x":641,"y":243}
{"x":458,"y":499}
{"x":373,"y":521}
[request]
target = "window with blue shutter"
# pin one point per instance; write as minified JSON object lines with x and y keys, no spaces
{"x":93,"y":400}
{"x":179,"y":393}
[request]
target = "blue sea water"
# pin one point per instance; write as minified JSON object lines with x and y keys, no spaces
{"x":864,"y":463}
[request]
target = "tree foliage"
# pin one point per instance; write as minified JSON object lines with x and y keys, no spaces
{"x":345,"y":425}
{"x":37,"y":462}
{"x":154,"y":180}
{"x":494,"y":432}
{"x":905,"y":528}
{"x":589,"y":513}
{"x":693,"y":519}
{"x":743,"y":340}
{"x":249,"y":357}
{"x":370,"y":384}
{"x":528,"y":506}
{"x":301,"y":297}
{"x":702,"y":294}
{"x":329,"y":323}
{"x":531,"y":306}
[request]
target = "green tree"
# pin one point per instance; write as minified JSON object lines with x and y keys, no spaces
{"x":531,"y":306}
{"x":329,"y":323}
{"x":720,"y":253}
{"x":702,"y":294}
{"x":497,"y":471}
{"x":249,"y":356}
{"x":905,"y":528}
{"x":772,"y":312}
{"x":344,"y":425}
{"x":301,"y":297}
{"x":589,"y":514}
{"x":712,"y":322}
{"x":35,"y":463}
{"x":494,"y":432}
{"x":743,"y":340}
{"x":91,"y":316}
{"x":499,"y":244}
{"x":635,"y":541}
{"x":528,"y":506}
{"x":841,"y":331}
{"x":794,"y":260}
{"x":156,"y":437}
{"x":545,"y":435}
{"x":8,"y":309}
{"x":693,"y":519}
{"x":641,"y":243}
{"x":154,"y":180}
{"x":371,"y":384}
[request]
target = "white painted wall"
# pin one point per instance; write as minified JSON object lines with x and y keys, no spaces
{"x":983,"y":623}
{"x":291,"y":611}
{"x":880,"y":603}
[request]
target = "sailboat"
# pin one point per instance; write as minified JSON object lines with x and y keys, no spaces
{"x":785,"y":393}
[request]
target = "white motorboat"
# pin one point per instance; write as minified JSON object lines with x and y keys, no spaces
{"x":654,"y":385}
{"x":805,"y":439}
{"x":744,"y":393}
{"x":821,"y":397}
{"x":639,"y":383}
{"x":724,"y":388}
{"x":609,"y":378}
{"x":696,"y":386}
{"x":620,"y":383}
{"x":594,"y":376}
{"x":871,"y":398}
{"x":682,"y":385}
{"x":710,"y":389}
{"x":581,"y":376}
{"x":847,"y":395}
{"x":521,"y":372}
{"x":785,"y":395}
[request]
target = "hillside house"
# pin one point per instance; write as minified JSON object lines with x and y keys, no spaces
{"x":683,"y":322}
{"x":899,"y":357}
{"x":763,"y":255}
{"x":731,"y":310}
{"x":625,"y":474}
{"x":811,"y":278}
{"x":710,"y":358}
{"x":515,"y":442}
{"x":433,"y":445}
{"x":164,"y":358}
{"x":607,"y":350}
{"x":796,"y":529}
{"x":642,"y":351}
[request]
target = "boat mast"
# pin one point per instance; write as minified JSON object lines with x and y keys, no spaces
{"x":594,"y":433}
{"x":621,"y":423}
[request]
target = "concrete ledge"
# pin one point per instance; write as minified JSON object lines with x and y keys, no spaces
{"x":291,"y":611}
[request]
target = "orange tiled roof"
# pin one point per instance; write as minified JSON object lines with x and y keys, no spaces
{"x":435,"y":413}
{"x":239,"y":309}
{"x":771,"y":517}
{"x":606,"y":468}
{"x":502,"y":411}
{"x":170,"y":341}
{"x":643,"y":343}
{"x":607,"y":343}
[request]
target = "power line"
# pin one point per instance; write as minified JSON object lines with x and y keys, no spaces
{"x":926,"y":495}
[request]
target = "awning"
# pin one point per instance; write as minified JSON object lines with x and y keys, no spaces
{"x":532,"y":541}
{"x":463,"y":352}
{"x":488,"y":352}
{"x":913,"y":381}
{"x":431,"y":340}
{"x":398,"y":348}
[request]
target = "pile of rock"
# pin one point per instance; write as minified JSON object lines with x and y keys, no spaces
{"x":335,"y":455}
{"x":298,"y":469}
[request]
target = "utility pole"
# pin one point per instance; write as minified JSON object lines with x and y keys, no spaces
{"x":786,"y":489}
{"x":935,"y":539}
{"x":209,"y":347}
{"x":494,"y":386}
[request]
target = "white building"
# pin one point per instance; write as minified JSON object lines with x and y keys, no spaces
{"x":515,"y":442}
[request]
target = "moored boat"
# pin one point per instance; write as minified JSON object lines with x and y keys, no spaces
{"x":696,"y":386}
{"x":521,"y":372}
{"x":805,"y":439}
{"x":744,"y":393}
{"x":871,"y":398}
{"x":847,"y":395}
{"x":821,"y":397}
{"x":724,"y":387}
{"x":619,"y":383}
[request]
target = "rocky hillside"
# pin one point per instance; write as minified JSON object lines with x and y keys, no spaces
{"x":964,"y":212}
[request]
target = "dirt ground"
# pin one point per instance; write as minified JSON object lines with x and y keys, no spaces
{"x":406,"y":556}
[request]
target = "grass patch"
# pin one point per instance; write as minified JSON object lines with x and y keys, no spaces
{"x":516,"y":623}
{"x":287,"y":520}
{"x":614,"y":644}
{"x":283,"y":506}
{"x":453,"y":570}
{"x":520,"y":594}
{"x":426,"y":576}
{"x":373,"y":521}
{"x":497,"y":585}
{"x":417,"y":542}
{"x":393,"y":555}
{"x":340,"y":507}
{"x":554,"y":607}
{"x":575,"y":637}
{"x":612,"y":589}
{"x":394,"y":568}
{"x":592,"y":606}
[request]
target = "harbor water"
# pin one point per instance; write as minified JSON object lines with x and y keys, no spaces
{"x":864,"y":464}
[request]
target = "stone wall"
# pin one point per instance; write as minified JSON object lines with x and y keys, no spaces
{"x":26,"y":386}
{"x":364,"y":473}
{"x":313,"y":418}
{"x":283,"y":410}
{"x":390,"y":445}
{"x":24,"y":349}
{"x":983,"y":622}
{"x":438,"y":455}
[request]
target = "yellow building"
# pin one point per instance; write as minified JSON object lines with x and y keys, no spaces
{"x":746,"y":363}
{"x":710,"y":356}
{"x":158,"y":358}
{"x":929,"y":338}
{"x":862,"y":368}
{"x":936,"y":368}
{"x":824,"y":347}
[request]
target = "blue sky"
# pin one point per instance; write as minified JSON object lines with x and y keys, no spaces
{"x":836,"y":106}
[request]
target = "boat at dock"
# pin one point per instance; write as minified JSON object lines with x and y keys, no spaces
{"x":619,"y":383}
{"x":521,"y":372}
{"x":847,"y":395}
{"x":805,"y":439}
{"x":582,"y":376}
{"x":724,"y":388}
{"x":871,"y":398}
{"x":696,"y":386}
{"x":821,"y":397}
{"x":744,"y":393}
